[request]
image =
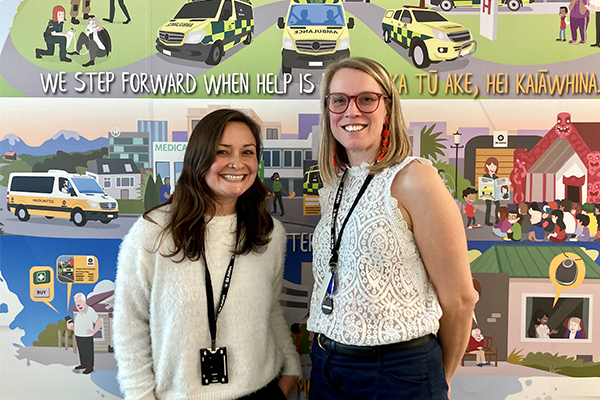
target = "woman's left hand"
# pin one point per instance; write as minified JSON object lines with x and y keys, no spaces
{"x":287,"y":383}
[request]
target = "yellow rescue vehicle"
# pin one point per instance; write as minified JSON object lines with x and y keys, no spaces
{"x":310,"y":191}
{"x":204,"y":29}
{"x":428,"y":35}
{"x":59,"y":194}
{"x":447,"y":5}
{"x":315,"y":33}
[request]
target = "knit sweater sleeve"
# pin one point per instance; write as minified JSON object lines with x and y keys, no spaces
{"x":133,"y":350}
{"x":283,"y":340}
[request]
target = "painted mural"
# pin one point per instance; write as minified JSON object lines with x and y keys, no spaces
{"x":98,"y":99}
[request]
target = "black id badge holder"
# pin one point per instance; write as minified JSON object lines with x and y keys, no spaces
{"x":213,"y":365}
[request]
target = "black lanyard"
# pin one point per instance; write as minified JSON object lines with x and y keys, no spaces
{"x":210,"y":304}
{"x":335,"y":243}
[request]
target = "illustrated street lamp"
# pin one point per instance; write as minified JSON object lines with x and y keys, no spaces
{"x":456,"y":146}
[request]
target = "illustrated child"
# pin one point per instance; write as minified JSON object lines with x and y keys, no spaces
{"x":536,"y":232}
{"x":564,"y":21}
{"x":503,"y":225}
{"x":574,"y":329}
{"x":514,"y":233}
{"x":588,"y":209}
{"x":582,"y":234}
{"x":470,"y":208}
{"x":559,"y":235}
{"x":477,"y":347}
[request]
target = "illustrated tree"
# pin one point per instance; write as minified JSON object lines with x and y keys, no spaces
{"x":431,"y":143}
{"x":151,"y":194}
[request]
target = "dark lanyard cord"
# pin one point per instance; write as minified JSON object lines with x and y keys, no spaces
{"x":210,"y":302}
{"x":335,"y":244}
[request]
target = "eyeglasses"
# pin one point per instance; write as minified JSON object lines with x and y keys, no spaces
{"x":366,"y":102}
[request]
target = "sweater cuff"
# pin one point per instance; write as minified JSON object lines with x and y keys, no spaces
{"x":292,"y":366}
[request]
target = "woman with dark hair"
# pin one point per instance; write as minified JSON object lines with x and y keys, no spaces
{"x":213,"y":235}
{"x":559,"y":235}
{"x":491,"y":167}
{"x":392,"y":260}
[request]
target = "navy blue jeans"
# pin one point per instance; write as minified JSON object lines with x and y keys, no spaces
{"x":415,"y":374}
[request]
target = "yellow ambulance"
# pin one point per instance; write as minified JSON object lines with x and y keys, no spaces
{"x":428,"y":35}
{"x":447,"y":5}
{"x":204,"y":29}
{"x":59,"y":194}
{"x":315,"y":33}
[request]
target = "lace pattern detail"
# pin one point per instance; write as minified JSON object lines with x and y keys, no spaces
{"x":384,"y":294}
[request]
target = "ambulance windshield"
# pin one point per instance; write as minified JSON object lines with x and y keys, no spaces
{"x":316,"y":15}
{"x":87,"y":185}
{"x":199,"y":9}
{"x":428,"y":16}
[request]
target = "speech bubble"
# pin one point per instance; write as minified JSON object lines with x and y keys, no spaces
{"x":76,"y":269}
{"x":567,"y":271}
{"x":41,"y":285}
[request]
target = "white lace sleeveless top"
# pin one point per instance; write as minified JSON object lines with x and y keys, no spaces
{"x":384,"y":294}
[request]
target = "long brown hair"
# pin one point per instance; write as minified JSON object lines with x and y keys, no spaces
{"x":192,"y":203}
{"x":399,"y":147}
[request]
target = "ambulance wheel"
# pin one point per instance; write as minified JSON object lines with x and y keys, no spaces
{"x":386,"y":36}
{"x":105,"y":221}
{"x":513,"y":5}
{"x":446,"y":5}
{"x":49,"y":217}
{"x":78,"y":217}
{"x":22,"y":213}
{"x":216,"y":54}
{"x":419,"y":54}
{"x":248,"y":39}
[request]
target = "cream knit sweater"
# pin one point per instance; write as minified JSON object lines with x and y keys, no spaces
{"x":160,"y":318}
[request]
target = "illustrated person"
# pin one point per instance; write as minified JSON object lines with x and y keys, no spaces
{"x":491,"y":167}
{"x":53,"y":36}
{"x":214,"y":226}
{"x":579,"y":19}
{"x":86,"y":324}
{"x":65,"y":186}
{"x":504,"y":194}
{"x":503,"y":225}
{"x":303,"y":17}
{"x":470,"y":208}
{"x":583,"y":232}
{"x":330,"y":18}
{"x":96,"y":39}
{"x":588,"y":209}
{"x":165,"y":190}
{"x":277,"y":189}
{"x":559,"y":235}
{"x":542,"y":330}
{"x":514,"y":232}
{"x":565,"y":206}
{"x":112,"y":12}
{"x":574,"y":330}
{"x":383,"y":245}
{"x":536,"y":232}
{"x":477,"y":347}
{"x":562,"y":33}
{"x":75,"y":10}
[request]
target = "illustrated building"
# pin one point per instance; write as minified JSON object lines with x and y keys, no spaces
{"x":120,"y":178}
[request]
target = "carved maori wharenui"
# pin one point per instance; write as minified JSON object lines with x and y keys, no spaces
{"x":565,"y":163}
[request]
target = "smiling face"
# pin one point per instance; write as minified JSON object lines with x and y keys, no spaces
{"x":573,"y":326}
{"x":358,"y":132}
{"x":80,"y":303}
{"x":543,"y":320}
{"x":60,"y":16}
{"x":235,"y":166}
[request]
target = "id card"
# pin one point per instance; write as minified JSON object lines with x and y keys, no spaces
{"x":214,"y":366}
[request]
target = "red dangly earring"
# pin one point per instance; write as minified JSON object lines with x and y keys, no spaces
{"x":334,"y":163}
{"x":384,"y":139}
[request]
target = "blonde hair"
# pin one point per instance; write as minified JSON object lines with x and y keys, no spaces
{"x":574,"y":319}
{"x":399,"y":143}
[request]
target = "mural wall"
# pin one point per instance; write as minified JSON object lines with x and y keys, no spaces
{"x":98,"y":100}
